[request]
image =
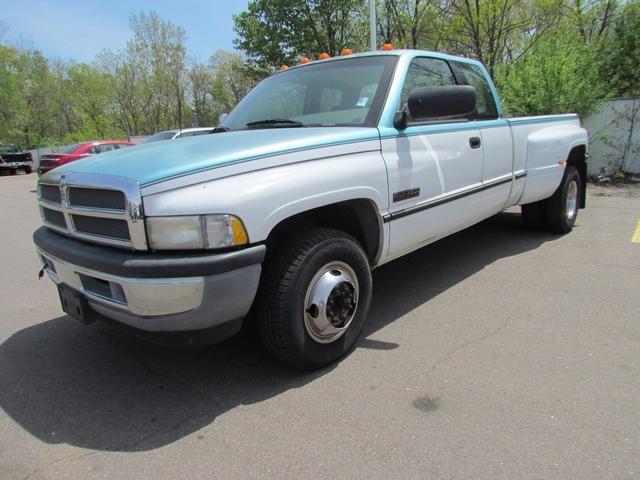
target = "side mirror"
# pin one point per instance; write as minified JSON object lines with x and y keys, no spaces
{"x":435,"y":102}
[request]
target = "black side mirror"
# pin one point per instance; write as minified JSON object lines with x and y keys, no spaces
{"x":434,"y":102}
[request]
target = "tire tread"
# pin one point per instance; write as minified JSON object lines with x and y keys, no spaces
{"x":280,"y":271}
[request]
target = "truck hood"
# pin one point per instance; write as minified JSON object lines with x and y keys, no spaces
{"x":158,"y":161}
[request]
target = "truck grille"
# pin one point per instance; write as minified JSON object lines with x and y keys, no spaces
{"x":54,"y":217}
{"x":95,"y":208}
{"x":50,"y":193}
{"x":102,"y":227}
{"x":96,"y":198}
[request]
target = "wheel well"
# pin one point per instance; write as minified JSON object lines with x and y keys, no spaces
{"x":358,"y":218}
{"x":578,"y":159}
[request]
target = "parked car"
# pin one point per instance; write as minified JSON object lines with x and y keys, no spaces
{"x":325,"y":171}
{"x":179,"y":133}
{"x":13,"y":160}
{"x":77,"y":151}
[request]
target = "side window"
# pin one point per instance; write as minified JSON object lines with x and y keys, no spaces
{"x":425,"y":72}
{"x":469,"y":74}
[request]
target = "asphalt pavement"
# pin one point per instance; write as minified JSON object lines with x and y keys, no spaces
{"x":497,"y":353}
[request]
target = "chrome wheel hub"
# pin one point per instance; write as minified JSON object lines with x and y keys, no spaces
{"x":330,"y":302}
{"x":572,"y":200}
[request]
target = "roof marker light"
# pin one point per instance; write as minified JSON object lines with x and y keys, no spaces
{"x":284,"y":67}
{"x":386,"y":47}
{"x":305,"y":60}
{"x":346,"y":51}
{"x":324,"y":56}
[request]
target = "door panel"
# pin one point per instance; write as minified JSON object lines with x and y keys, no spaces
{"x":498,"y":162}
{"x":426,"y":166}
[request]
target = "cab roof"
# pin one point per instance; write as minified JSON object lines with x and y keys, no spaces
{"x":394,"y":53}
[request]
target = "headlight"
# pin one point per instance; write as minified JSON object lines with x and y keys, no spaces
{"x":195,"y":232}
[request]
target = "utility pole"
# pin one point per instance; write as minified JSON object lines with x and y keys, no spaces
{"x":372,"y":24}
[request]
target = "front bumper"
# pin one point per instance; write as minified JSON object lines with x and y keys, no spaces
{"x":155,"y":292}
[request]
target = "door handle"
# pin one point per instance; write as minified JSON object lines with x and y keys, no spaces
{"x":475,"y":142}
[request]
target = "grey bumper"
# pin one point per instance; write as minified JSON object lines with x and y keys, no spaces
{"x":155,"y":292}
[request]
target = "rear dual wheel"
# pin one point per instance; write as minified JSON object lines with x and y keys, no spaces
{"x":314,"y":298}
{"x":559,"y":212}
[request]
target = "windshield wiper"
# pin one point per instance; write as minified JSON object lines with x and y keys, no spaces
{"x":275,"y":123}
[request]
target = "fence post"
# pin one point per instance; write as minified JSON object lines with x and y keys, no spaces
{"x":627,"y":146}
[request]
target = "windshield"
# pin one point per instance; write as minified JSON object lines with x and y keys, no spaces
{"x":9,"y":149}
{"x":347,"y":92}
{"x":161,"y":136}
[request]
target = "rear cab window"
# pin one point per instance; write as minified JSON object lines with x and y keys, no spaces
{"x":469,"y":74}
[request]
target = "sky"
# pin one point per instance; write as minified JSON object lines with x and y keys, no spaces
{"x":79,"y":29}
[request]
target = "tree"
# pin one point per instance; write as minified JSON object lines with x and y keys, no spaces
{"x":276,"y":32}
{"x":621,"y":65}
{"x":232,"y":78}
{"x":149,"y":77}
{"x":558,"y":75}
{"x":414,"y":23}
{"x":158,"y":47}
{"x":592,"y":18}
{"x":500,"y":31}
{"x":200,"y":80}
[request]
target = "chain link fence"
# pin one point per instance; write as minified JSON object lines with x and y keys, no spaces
{"x":614,"y":137}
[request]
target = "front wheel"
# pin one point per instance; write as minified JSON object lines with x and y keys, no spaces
{"x":314,"y":299}
{"x":563,"y":205}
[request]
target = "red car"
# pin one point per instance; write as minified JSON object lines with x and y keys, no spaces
{"x":78,"y":151}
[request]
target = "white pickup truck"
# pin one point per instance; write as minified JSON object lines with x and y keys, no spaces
{"x":322,"y":173}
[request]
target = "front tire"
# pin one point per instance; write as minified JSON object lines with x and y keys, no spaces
{"x":563,"y":205}
{"x":314,"y":298}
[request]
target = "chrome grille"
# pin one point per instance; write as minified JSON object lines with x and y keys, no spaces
{"x":102,"y":227}
{"x":54,"y":217}
{"x":50,"y":193}
{"x":93,"y":207}
{"x":96,"y":198}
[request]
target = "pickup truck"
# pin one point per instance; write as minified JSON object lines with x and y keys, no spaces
{"x":323,"y":172}
{"x":13,"y":160}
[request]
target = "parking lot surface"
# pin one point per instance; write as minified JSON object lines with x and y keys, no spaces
{"x":497,"y":353}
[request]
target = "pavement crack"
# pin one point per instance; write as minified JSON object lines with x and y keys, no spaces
{"x":57,"y":460}
{"x":466,"y":344}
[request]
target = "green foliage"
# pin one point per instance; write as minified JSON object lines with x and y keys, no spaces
{"x":276,"y":32}
{"x":547,"y":56}
{"x":621,"y":65}
{"x":558,"y":75}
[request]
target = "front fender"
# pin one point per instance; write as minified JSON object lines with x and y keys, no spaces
{"x":264,"y":198}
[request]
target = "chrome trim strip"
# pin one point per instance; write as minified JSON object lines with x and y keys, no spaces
{"x":434,"y":202}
